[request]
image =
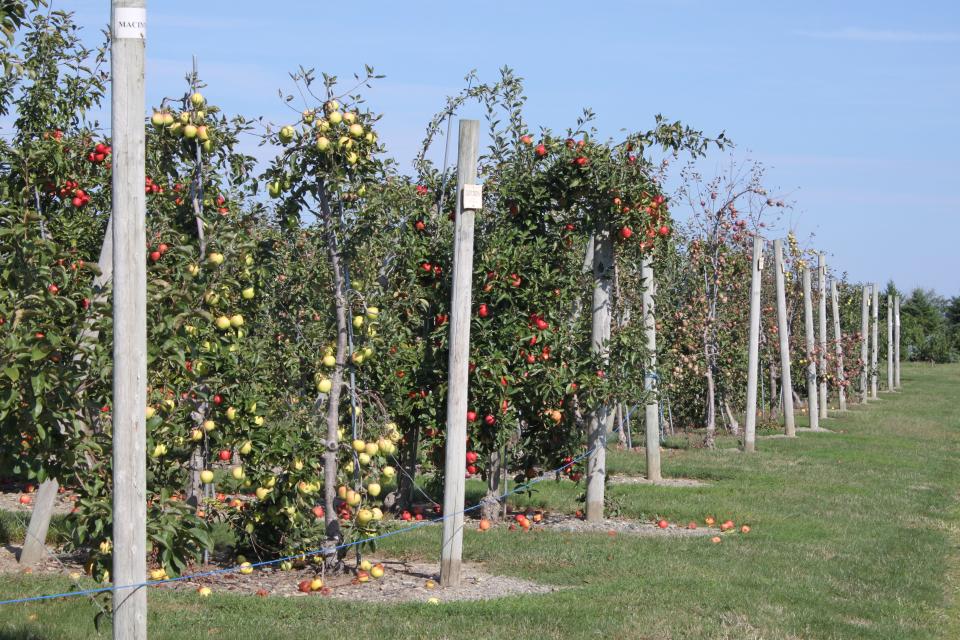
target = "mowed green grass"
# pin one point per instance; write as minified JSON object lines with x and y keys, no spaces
{"x":855,"y":535}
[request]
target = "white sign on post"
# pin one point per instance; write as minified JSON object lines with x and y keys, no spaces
{"x":472,"y":197}
{"x":129,"y":22}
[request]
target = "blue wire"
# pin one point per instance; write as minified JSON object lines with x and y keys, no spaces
{"x":346,"y":545}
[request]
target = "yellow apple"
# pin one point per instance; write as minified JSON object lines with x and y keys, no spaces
{"x":206,"y":476}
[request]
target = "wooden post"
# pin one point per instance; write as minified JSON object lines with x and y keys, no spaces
{"x":783,"y":331}
{"x":813,"y":410}
{"x":896,"y":341}
{"x":753,"y":353}
{"x":822,"y":331}
{"x":889,"y":342}
{"x":129,"y":319}
{"x":838,"y":338}
{"x":875,"y":340}
{"x":34,"y":542}
{"x":455,"y":463}
{"x":864,"y":355}
{"x":652,"y":410}
{"x":601,"y":417}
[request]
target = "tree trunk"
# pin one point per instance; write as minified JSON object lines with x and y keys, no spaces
{"x":711,"y":439}
{"x":490,"y":508}
{"x":334,"y":535}
{"x":732,"y":419}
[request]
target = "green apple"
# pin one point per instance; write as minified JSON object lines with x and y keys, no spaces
{"x":389,"y":472}
{"x":356,"y":130}
{"x":357,"y":322}
{"x":324,"y":385}
{"x":323,"y":143}
{"x":364,"y":516}
{"x":364,"y":459}
{"x":258,"y":420}
{"x":248,"y":293}
{"x":262,"y":492}
{"x":223,"y":323}
{"x":373,"y":489}
{"x":274,"y":189}
{"x":352,"y":157}
{"x":196,"y":435}
{"x":202,"y":133}
{"x":150,"y":412}
{"x":286,"y":134}
{"x":231,"y":413}
{"x":329,"y":361}
{"x":335,"y":117}
{"x":197,"y":100}
{"x":371,"y":449}
{"x":373,"y":312}
{"x":190,"y":131}
{"x":308,"y":116}
{"x":215,"y":258}
{"x":157,"y":119}
{"x":237,"y":473}
{"x":193,"y":270}
{"x":246,"y":447}
{"x":206,"y":476}
{"x":209,"y":425}
{"x":236,"y":321}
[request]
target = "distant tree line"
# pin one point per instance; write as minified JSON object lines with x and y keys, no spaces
{"x":930,"y":327}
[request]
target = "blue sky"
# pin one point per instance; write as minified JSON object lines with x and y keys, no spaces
{"x":855,"y":105}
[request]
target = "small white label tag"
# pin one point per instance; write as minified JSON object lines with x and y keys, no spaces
{"x":760,"y":263}
{"x":129,"y":23}
{"x":473,"y":197}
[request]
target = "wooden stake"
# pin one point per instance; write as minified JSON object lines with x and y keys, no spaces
{"x":896,"y":341}
{"x":451,"y":551}
{"x":889,"y":342}
{"x":783,"y":331}
{"x":601,"y":418}
{"x":864,"y":354}
{"x":753,"y":353}
{"x":652,"y":409}
{"x":34,"y":542}
{"x":813,"y":410}
{"x":838,"y":346}
{"x":822,"y":331}
{"x":875,"y":340}
{"x":129,"y":318}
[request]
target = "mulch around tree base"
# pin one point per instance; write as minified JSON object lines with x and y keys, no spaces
{"x":664,"y":482}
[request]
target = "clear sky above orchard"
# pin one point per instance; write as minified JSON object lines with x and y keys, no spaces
{"x":853,"y":105}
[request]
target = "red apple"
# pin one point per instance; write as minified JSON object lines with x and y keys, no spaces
{"x":483,"y":311}
{"x":663,"y":524}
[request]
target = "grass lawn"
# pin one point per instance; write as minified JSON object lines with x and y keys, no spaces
{"x":855,"y":535}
